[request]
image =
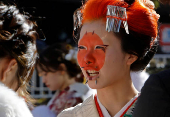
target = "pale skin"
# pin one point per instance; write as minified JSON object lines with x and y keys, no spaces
{"x":114,"y":85}
{"x":57,"y":80}
{"x":8,"y":72}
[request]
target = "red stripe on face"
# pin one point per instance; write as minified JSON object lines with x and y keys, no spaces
{"x":91,"y":54}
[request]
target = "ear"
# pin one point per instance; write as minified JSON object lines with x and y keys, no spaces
{"x":63,"y":72}
{"x":63,"y":68}
{"x":10,"y":70}
{"x":131,"y":59}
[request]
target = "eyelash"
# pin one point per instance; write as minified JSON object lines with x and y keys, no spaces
{"x":103,"y":47}
{"x":43,"y":74}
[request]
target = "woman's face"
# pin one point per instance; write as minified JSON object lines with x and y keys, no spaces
{"x":100,"y":55}
{"x":53,"y":80}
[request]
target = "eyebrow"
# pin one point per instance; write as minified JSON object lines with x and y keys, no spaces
{"x":92,"y":33}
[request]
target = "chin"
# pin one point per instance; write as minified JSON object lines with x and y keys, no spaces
{"x":52,"y":89}
{"x":93,"y":85}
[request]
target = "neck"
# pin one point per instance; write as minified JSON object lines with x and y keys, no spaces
{"x":68,"y":82}
{"x":115,"y":97}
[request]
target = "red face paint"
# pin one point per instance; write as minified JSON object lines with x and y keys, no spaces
{"x":91,"y":54}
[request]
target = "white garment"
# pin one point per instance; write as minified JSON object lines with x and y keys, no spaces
{"x":105,"y":112}
{"x":89,"y":93}
{"x":11,"y":105}
{"x":43,"y":111}
{"x":85,"y":109}
{"x":138,"y":79}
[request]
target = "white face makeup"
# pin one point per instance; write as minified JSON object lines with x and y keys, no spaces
{"x":100,"y":55}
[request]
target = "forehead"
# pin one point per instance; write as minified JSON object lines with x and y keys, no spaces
{"x":99,"y":28}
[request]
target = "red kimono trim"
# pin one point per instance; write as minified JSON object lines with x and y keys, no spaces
{"x":123,"y":114}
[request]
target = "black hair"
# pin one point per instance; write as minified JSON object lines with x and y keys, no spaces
{"x":143,"y":46}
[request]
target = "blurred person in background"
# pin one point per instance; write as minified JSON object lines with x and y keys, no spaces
{"x":58,"y":68}
{"x":109,"y":50}
{"x":18,"y":55}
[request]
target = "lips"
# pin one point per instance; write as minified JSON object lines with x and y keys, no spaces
{"x":92,"y":74}
{"x":47,"y":85}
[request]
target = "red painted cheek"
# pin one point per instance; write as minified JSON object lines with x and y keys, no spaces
{"x":96,"y":57}
{"x":100,"y":59}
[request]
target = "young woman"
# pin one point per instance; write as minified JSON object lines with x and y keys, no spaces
{"x":17,"y":58}
{"x":59,"y":70}
{"x":107,"y":54}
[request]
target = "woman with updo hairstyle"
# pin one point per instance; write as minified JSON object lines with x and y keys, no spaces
{"x":58,"y":68}
{"x":18,"y":55}
{"x":114,"y":37}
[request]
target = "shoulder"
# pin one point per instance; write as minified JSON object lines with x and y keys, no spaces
{"x":157,"y":84}
{"x":159,"y":81}
{"x":11,"y":104}
{"x":85,"y":109}
{"x":164,"y":75}
{"x":154,"y":100}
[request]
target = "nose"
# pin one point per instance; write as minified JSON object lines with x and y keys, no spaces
{"x":89,"y":58}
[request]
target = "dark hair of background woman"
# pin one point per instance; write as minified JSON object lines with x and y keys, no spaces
{"x":52,"y":56}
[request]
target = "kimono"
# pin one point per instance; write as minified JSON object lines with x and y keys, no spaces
{"x":89,"y":108}
{"x":69,"y":97}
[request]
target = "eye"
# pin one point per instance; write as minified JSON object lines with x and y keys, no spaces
{"x":81,"y":47}
{"x":43,"y":74}
{"x":101,"y":47}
